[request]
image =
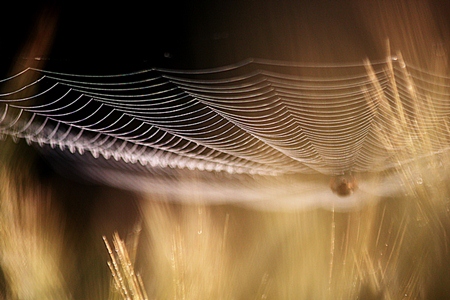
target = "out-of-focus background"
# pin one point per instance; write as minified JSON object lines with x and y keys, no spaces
{"x":52,"y":227}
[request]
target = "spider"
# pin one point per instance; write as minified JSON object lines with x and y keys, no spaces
{"x":343,"y":185}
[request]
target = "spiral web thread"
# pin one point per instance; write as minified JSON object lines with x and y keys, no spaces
{"x":255,"y":117}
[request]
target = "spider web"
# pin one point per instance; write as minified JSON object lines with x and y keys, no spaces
{"x":256,"y":117}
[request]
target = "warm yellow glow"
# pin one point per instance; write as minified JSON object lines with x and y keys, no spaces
{"x":388,"y":248}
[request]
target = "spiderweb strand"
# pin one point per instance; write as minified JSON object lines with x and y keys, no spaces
{"x":255,"y":117}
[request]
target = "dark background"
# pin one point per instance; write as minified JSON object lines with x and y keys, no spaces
{"x":194,"y":34}
{"x":80,"y":37}
{"x":114,"y":37}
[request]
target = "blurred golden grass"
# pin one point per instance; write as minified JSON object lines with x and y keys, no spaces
{"x":125,"y":281}
{"x":392,"y":249}
{"x":396,"y":248}
{"x":196,"y":252}
{"x":31,"y":239}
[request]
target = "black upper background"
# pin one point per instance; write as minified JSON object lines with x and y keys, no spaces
{"x":118,"y":36}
